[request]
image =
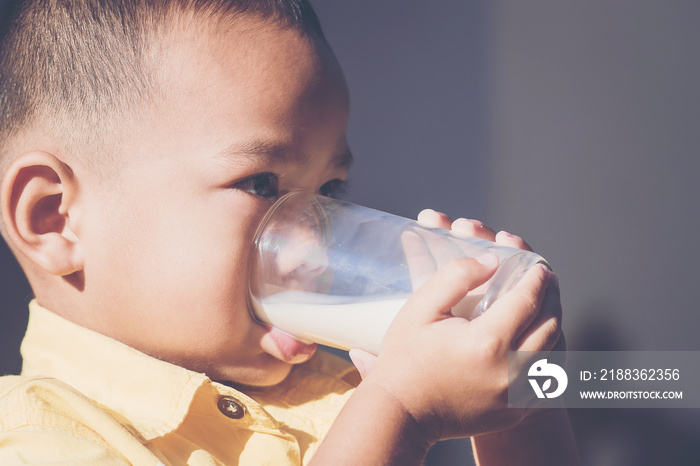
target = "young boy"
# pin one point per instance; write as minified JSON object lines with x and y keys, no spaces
{"x":141,"y":143}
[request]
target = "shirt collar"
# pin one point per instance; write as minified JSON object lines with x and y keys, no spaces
{"x":153,"y":395}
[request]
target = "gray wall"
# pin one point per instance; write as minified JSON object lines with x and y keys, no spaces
{"x":418,"y":87}
{"x":573,"y":124}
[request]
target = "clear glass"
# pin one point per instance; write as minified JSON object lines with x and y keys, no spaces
{"x":335,"y":273}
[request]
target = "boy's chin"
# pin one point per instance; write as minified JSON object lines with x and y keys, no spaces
{"x":271,"y":373}
{"x":280,"y":353}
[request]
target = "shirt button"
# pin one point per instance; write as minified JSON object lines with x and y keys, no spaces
{"x":230,"y":407}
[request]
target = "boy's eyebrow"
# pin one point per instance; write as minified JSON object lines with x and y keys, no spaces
{"x":266,"y":151}
{"x":261,"y":151}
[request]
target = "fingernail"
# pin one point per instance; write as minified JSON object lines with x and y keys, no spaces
{"x":488,"y":260}
{"x":357,"y":361}
{"x":361,"y":368}
{"x":460,"y":223}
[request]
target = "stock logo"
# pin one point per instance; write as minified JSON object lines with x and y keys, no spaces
{"x":542,"y":368}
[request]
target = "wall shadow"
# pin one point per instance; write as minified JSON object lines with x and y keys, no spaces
{"x":15,"y":295}
{"x":629,"y":437}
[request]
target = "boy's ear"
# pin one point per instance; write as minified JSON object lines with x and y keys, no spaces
{"x":38,"y":192}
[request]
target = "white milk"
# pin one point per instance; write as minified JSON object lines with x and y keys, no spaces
{"x":343,"y":322}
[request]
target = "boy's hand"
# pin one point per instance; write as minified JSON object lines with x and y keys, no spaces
{"x":468,"y":227}
{"x":449,"y":374}
{"x":430,"y":218}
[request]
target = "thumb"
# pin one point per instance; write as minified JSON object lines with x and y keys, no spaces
{"x":447,"y":287}
{"x":363,"y":360}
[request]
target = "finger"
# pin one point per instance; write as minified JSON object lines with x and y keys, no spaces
{"x":427,"y":250}
{"x":443,"y":247}
{"x":472,"y":228}
{"x":515,"y":311}
{"x":446,"y":288}
{"x":421,"y":263}
{"x":432,"y":219}
{"x":545,"y":331}
{"x":512,"y":241}
{"x":363,"y":360}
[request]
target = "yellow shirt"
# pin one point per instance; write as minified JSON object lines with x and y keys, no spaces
{"x":84,"y":398}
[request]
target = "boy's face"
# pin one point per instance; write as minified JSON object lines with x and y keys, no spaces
{"x":243,"y":116}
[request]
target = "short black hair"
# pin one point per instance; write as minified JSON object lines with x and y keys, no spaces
{"x":79,"y":61}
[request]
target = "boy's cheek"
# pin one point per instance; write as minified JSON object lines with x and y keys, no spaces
{"x":170,"y":267}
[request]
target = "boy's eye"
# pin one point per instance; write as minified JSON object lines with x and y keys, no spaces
{"x":262,"y":185}
{"x":333,"y":188}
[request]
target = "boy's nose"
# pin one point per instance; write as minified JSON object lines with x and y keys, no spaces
{"x":302,"y":259}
